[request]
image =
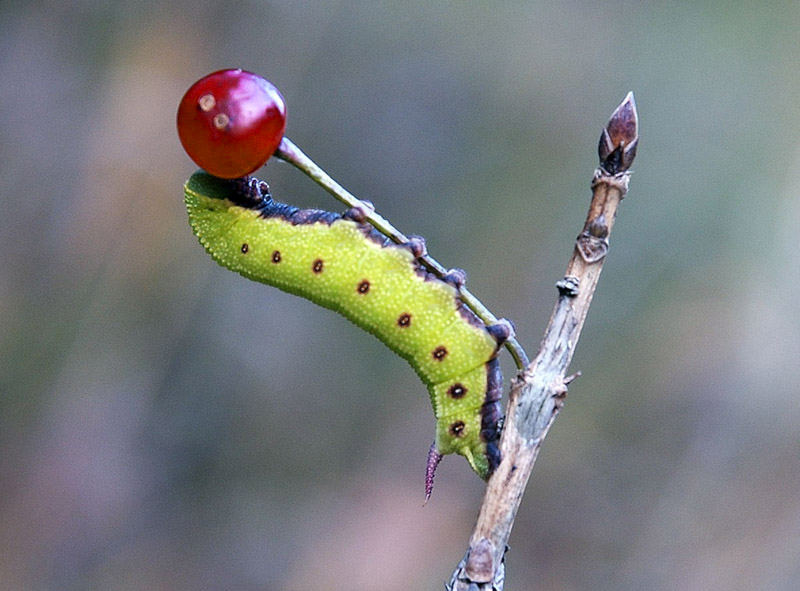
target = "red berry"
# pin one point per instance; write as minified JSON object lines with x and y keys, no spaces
{"x":231,"y":122}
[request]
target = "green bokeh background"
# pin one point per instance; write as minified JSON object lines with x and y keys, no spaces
{"x":165,"y":424}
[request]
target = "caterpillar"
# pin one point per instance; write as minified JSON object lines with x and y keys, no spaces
{"x":342,"y":263}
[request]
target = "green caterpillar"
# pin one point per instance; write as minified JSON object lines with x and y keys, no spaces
{"x":342,"y":263}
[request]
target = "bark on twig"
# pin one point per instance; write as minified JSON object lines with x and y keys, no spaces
{"x":538,"y":393}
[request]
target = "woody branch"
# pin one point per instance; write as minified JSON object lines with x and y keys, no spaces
{"x":538,"y":393}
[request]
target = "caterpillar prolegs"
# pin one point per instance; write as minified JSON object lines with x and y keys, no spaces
{"x":344,"y":264}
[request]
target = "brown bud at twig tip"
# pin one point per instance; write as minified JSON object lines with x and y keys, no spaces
{"x":619,"y":139}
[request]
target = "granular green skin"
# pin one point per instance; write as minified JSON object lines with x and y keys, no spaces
{"x":380,"y":288}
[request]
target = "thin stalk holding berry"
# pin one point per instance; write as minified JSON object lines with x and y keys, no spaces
{"x":289,"y":152}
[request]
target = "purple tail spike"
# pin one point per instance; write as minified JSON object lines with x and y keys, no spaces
{"x":434,"y":457}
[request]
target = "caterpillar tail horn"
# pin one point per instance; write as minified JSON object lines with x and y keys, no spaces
{"x":434,"y":457}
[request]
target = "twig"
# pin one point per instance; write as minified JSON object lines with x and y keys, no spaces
{"x":290,"y":153}
{"x":538,"y":393}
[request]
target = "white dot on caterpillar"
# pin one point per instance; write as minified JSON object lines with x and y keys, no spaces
{"x":221,"y":121}
{"x":439,"y":353}
{"x":457,"y":429}
{"x":206,"y":102}
{"x":457,"y":391}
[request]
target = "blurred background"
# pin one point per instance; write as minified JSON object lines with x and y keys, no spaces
{"x":166,"y":424}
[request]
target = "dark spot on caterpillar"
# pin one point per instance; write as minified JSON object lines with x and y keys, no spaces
{"x":457,"y":429}
{"x":363,"y":287}
{"x":317,"y":267}
{"x":276,"y":256}
{"x":457,"y":391}
{"x":404,"y":320}
{"x":439,"y":352}
{"x":245,"y":248}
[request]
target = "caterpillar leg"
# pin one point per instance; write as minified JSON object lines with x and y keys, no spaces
{"x":502,"y":330}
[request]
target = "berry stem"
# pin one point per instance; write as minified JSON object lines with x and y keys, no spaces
{"x":290,"y":153}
